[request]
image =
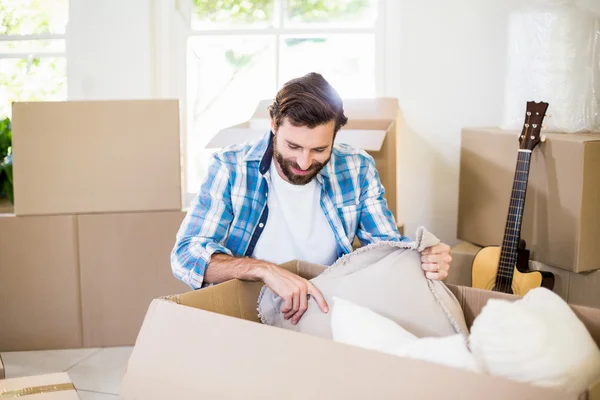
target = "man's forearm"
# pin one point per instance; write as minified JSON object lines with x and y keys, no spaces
{"x":223,"y":267}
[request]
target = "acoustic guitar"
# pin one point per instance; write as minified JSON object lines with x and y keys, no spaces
{"x":506,"y":268}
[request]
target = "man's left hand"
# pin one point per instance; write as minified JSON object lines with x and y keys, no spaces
{"x":435,"y":261}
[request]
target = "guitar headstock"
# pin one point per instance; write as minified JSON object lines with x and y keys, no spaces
{"x":532,"y":127}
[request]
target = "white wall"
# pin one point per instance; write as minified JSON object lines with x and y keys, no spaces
{"x":109,"y":49}
{"x":445,"y":63}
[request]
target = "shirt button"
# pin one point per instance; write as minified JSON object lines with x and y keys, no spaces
{"x":261,"y":224}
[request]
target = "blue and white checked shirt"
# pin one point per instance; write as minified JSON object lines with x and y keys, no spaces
{"x":230,"y":211}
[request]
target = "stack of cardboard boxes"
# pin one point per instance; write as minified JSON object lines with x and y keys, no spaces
{"x":561,"y":220}
{"x":97,"y":205}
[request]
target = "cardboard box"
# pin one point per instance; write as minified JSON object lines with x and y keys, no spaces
{"x":124,"y":265}
{"x":39,"y":282}
{"x":43,"y":387}
{"x":217,"y":327}
{"x":584,"y":288}
{"x":561,"y":222}
{"x":372,"y":126}
{"x":460,"y":272}
{"x":96,"y":156}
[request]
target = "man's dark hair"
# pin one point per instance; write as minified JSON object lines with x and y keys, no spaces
{"x":308,"y":101}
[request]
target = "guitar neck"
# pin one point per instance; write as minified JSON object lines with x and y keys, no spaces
{"x":512,"y":231}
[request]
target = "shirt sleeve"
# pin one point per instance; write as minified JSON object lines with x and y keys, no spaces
{"x":377,"y":222}
{"x":204,"y":229}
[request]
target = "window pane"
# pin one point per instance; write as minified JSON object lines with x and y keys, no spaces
{"x":227,"y":77}
{"x":37,"y":79}
{"x":346,"y":61}
{"x":28,"y":17}
{"x":229,"y":14}
{"x":331,"y":13}
{"x":33,"y":46}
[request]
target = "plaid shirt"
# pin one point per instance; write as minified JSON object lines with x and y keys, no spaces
{"x":230,"y":211}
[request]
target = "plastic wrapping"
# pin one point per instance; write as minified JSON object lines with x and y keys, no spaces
{"x":554,"y":56}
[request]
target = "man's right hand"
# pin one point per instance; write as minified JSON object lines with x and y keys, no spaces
{"x":294,"y":291}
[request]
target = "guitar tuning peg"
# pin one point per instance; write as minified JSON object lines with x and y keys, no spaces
{"x":544,"y":127}
{"x":543,"y":138}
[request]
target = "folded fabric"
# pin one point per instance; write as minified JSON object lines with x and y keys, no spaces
{"x":536,"y":339}
{"x":385,"y":277}
{"x":358,"y":326}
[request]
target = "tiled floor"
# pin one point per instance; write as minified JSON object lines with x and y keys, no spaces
{"x":96,"y":373}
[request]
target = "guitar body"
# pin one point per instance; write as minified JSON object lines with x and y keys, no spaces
{"x":485,"y":271}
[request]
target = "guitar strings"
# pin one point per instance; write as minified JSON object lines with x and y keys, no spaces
{"x":510,"y":247}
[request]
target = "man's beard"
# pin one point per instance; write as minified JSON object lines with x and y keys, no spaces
{"x":287,"y":165}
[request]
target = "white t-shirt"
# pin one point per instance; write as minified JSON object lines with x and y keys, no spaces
{"x":296,"y":226}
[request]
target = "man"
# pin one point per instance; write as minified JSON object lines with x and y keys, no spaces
{"x":291,"y":195}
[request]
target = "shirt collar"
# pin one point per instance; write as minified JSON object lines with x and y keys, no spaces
{"x":262,"y":151}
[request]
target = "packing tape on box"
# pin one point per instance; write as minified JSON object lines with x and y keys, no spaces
{"x":13,"y":394}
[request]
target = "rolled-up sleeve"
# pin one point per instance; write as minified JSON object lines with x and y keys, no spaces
{"x":204,"y":229}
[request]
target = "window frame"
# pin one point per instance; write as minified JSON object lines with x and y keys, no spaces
{"x":37,"y":54}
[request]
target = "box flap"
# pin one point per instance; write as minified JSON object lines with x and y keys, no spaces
{"x":234,"y":298}
{"x":590,"y":318}
{"x":377,"y":108}
{"x":237,"y":134}
{"x":366,"y":135}
{"x":309,"y":270}
{"x":182,"y":351}
{"x":2,"y":373}
{"x":237,"y":298}
{"x":472,"y":300}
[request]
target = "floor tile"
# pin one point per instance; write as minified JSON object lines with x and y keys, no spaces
{"x":84,"y":395}
{"x":103,"y":371}
{"x":26,"y":363}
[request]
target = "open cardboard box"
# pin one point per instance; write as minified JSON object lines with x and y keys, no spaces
{"x":372,"y":126}
{"x":209,"y":343}
{"x":365,"y":134}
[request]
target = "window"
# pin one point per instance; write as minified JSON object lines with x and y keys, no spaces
{"x":32,"y":51}
{"x":242,"y":51}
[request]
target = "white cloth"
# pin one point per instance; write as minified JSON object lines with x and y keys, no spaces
{"x":359,"y":326}
{"x":296,"y":228}
{"x":536,"y":339}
